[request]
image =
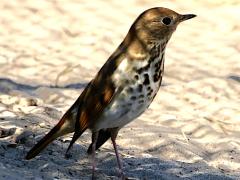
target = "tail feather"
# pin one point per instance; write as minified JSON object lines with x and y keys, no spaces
{"x":52,"y":135}
{"x":65,"y":126}
{"x":70,"y":122}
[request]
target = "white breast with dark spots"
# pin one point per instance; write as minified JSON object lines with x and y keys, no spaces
{"x":140,"y":81}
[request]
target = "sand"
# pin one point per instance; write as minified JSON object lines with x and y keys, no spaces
{"x":49,"y":50}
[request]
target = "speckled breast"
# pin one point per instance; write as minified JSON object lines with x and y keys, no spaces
{"x":140,"y":82}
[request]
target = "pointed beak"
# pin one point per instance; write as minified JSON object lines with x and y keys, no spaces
{"x":186,"y":17}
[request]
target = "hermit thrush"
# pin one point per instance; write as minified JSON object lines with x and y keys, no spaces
{"x":124,"y":87}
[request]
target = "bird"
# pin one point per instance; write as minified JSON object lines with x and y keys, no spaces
{"x":123,"y":88}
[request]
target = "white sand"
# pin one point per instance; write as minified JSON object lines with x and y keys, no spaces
{"x":64,"y":43}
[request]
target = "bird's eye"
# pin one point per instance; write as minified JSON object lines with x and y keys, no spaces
{"x":166,"y":20}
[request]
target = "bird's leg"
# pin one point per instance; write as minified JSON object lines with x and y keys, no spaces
{"x":94,"y":141}
{"x":113,"y":138}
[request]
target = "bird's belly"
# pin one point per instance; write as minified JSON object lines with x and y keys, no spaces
{"x":121,"y":113}
{"x":127,"y":106}
{"x":140,"y":85}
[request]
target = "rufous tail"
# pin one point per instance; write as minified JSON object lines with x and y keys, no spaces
{"x":65,"y":126}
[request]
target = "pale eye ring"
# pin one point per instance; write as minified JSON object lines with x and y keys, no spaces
{"x":167,"y":21}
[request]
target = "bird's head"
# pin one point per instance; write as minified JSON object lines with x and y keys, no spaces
{"x":158,"y":24}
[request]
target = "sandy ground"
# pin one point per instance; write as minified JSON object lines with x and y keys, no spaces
{"x":49,"y":50}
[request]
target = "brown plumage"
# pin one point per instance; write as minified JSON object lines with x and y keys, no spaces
{"x":124,"y":87}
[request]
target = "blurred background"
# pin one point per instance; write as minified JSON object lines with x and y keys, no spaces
{"x":50,"y":49}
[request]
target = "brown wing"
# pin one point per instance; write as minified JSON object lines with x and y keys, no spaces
{"x":97,"y":96}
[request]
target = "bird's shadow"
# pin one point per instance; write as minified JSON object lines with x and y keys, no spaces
{"x":51,"y":163}
{"x":7,"y":84}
